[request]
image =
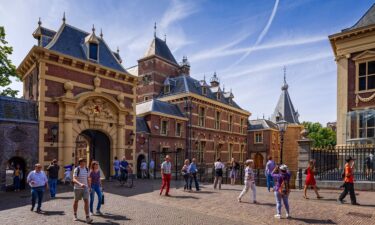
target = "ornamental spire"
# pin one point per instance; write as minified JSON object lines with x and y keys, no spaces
{"x":101,"y":33}
{"x":285,"y":85}
{"x":39,"y":22}
{"x":64,"y":19}
{"x":155,"y":29}
{"x":93,"y":29}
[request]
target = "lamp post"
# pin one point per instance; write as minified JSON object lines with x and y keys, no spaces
{"x":282,"y":125}
{"x":54,"y":131}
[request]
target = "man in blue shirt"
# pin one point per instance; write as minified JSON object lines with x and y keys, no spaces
{"x":193,"y":174}
{"x":124,"y":169}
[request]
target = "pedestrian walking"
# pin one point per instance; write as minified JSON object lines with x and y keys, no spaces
{"x":310,"y":180}
{"x":234,"y":167}
{"x":219,"y":167}
{"x":193,"y":175}
{"x":369,"y":162}
{"x":81,"y":188}
{"x":124,"y":170}
{"x":249,"y":181}
{"x":166,"y":173}
{"x":185,"y":174}
{"x":53,"y":175}
{"x":270,"y":166}
{"x":95,"y":187}
{"x":38,"y":182}
{"x":144,"y":169}
{"x":116,"y":166}
{"x":152,"y":168}
{"x":17,"y":177}
{"x":348,"y":176}
{"x":281,"y":189}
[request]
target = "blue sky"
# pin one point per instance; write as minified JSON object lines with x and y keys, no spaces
{"x":246,"y":42}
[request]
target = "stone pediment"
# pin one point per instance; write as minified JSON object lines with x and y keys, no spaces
{"x":365,"y":55}
{"x":97,"y":108}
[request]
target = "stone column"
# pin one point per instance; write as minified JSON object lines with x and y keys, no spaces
{"x":68,"y":141}
{"x":342,"y":97}
{"x":304,"y":149}
{"x":120,"y":141}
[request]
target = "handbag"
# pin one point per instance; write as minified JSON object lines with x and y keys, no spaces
{"x":102,"y":197}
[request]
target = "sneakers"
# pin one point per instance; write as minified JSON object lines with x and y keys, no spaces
{"x":356,"y":203}
{"x":277,"y":216}
{"x":287,"y":216}
{"x":88,"y":220}
{"x":239,"y":199}
{"x":98,"y":213}
{"x":340,"y":201}
{"x":75,"y":218}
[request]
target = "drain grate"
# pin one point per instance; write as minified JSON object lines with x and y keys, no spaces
{"x":362,"y":215}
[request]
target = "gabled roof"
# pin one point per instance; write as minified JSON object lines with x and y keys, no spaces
{"x":187,"y":84}
{"x":366,"y":20}
{"x":19,"y":110}
{"x":142,"y":126}
{"x":284,"y":108}
{"x":71,"y":41}
{"x":261,"y":124}
{"x":160,"y":48}
{"x":158,"y":107}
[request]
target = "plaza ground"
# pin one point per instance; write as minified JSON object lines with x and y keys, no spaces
{"x":143,"y":205}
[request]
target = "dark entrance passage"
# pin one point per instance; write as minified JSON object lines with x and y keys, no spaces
{"x":139,"y":162}
{"x":95,"y":145}
{"x":13,"y":162}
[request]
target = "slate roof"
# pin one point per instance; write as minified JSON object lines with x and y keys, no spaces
{"x":160,"y":107}
{"x":285,"y":108}
{"x":187,"y":84}
{"x":19,"y":110}
{"x":261,"y":124}
{"x":160,"y":48}
{"x":367,"y":19}
{"x":69,"y":40}
{"x":142,"y":126}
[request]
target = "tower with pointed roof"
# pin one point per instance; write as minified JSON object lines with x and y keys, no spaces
{"x":284,"y":107}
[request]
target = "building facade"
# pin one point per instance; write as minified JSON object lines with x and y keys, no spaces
{"x":85,"y":98}
{"x":212,"y":124}
{"x":354,"y":51}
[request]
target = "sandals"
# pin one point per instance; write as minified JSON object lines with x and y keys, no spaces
{"x":305,"y":197}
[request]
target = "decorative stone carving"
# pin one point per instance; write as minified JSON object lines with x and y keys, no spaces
{"x":68,"y":86}
{"x":304,"y":134}
{"x":97,"y":82}
{"x":359,"y":98}
{"x":97,"y":108}
{"x":120,"y":99}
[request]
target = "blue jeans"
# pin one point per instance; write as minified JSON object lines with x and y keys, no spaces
{"x":194,"y":176}
{"x":269,"y":181}
{"x":95,"y":188}
{"x":52,"y":182}
{"x":37,"y":193}
{"x":284,"y":198}
{"x":17,"y":182}
{"x":116,"y":172}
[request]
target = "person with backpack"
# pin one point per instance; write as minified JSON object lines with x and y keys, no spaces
{"x":234,"y":167}
{"x":270,"y":166}
{"x":81,"y":188}
{"x":96,"y":187}
{"x":348,"y":182}
{"x":281,"y":189}
{"x":249,"y":181}
{"x":53,"y":175}
{"x":310,"y":180}
{"x":219,"y":167}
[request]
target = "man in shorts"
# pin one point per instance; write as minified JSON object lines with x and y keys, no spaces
{"x":81,"y":188}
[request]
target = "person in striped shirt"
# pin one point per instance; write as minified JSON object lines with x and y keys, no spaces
{"x":166,"y":170}
{"x":249,"y":181}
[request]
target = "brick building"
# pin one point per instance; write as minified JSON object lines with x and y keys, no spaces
{"x":185,"y":115}
{"x":85,"y":98}
{"x":354,"y":51}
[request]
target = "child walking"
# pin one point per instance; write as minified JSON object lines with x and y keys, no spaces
{"x":249,"y":181}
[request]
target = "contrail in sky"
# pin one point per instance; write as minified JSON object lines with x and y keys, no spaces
{"x":261,"y":36}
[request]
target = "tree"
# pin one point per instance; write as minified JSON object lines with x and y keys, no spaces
{"x":7,"y":69}
{"x":321,"y":136}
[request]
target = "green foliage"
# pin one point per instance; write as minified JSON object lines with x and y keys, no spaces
{"x":7,"y":69}
{"x":321,"y":136}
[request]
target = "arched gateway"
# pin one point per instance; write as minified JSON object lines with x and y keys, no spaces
{"x":83,"y":94}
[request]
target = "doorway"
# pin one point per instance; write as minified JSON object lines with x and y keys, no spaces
{"x":139,"y":162}
{"x":13,"y":162}
{"x":94,"y":145}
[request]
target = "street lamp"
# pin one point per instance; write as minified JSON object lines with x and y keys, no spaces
{"x":282,"y":125}
{"x":54,"y":131}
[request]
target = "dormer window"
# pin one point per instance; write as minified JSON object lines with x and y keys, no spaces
{"x":93,"y":51}
{"x":204,"y":91}
{"x":218,"y":96}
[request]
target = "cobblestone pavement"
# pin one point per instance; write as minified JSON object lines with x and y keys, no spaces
{"x":143,"y":205}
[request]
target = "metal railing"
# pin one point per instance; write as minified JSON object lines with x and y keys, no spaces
{"x":330,"y":162}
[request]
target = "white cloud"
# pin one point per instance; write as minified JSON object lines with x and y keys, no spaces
{"x":178,"y":10}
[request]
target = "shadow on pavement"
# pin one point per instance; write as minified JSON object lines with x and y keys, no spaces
{"x":313,"y":221}
{"x":53,"y":213}
{"x":183,"y":197}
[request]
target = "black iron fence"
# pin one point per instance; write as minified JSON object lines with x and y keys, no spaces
{"x":330,"y":162}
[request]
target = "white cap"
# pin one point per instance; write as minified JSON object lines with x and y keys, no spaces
{"x":283,"y":167}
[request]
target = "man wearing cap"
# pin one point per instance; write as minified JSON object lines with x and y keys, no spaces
{"x":166,"y":173}
{"x":37,"y":180}
{"x":53,"y":175}
{"x":349,"y":182}
{"x":81,"y":188}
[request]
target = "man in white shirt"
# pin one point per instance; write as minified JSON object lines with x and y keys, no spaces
{"x":81,"y":188}
{"x":38,"y":182}
{"x":166,"y":173}
{"x":219,"y":167}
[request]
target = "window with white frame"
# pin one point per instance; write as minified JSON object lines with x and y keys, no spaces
{"x":217,"y":120}
{"x":366,"y":76}
{"x":164,"y":127}
{"x":178,"y":129}
{"x":258,"y":138}
{"x":366,"y":124}
{"x":201,"y":116}
{"x":230,"y":123}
